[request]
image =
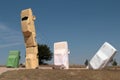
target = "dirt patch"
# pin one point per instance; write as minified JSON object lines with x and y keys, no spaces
{"x":71,"y":74}
{"x":5,"y":69}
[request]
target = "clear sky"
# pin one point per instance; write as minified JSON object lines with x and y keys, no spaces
{"x":85,"y":24}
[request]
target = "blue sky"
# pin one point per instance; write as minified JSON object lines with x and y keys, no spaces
{"x":85,"y":24}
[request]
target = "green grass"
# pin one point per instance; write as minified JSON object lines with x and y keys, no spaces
{"x":40,"y":74}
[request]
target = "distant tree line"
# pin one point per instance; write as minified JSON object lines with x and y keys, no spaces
{"x":113,"y":62}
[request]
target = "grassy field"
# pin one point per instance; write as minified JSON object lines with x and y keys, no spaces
{"x":72,"y":74}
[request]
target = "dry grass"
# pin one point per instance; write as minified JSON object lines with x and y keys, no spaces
{"x":47,"y":74}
